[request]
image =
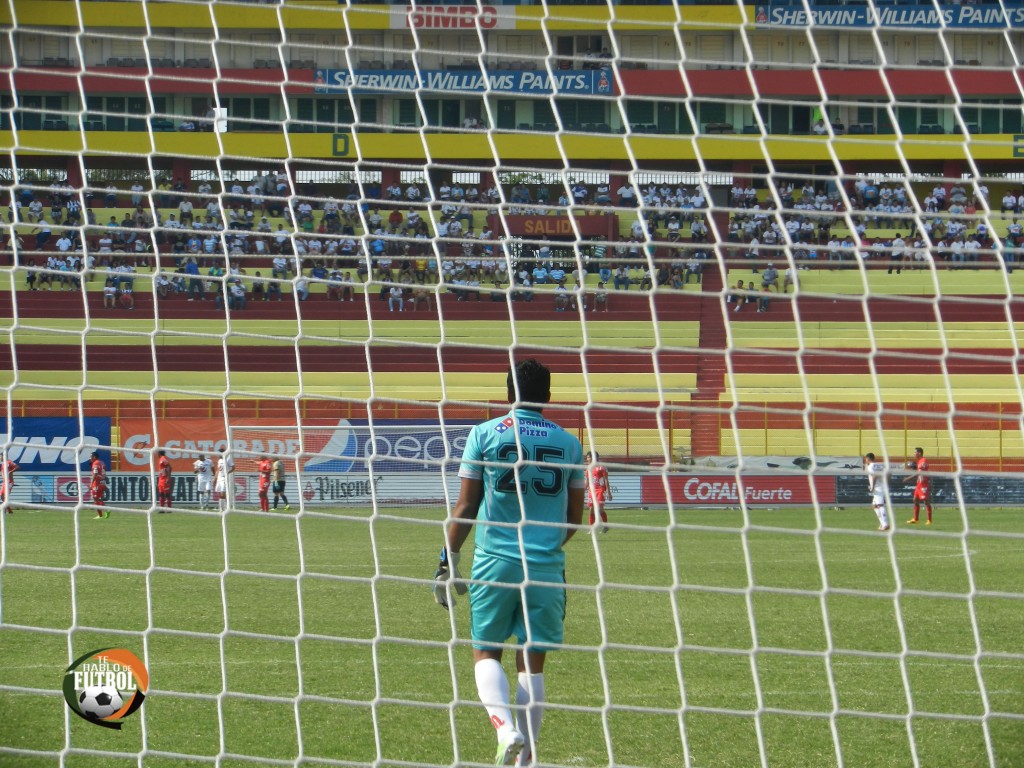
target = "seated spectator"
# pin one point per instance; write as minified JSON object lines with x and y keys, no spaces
{"x":621,"y":280}
{"x":561,"y":297}
{"x":259,"y":288}
{"x":109,"y":295}
{"x":737,"y":296}
{"x":236,"y":295}
{"x":770,"y":277}
{"x":600,"y":298}
{"x":334,"y":285}
{"x":524,"y":288}
{"x":664,"y":275}
{"x":421,"y":297}
{"x":790,"y":279}
{"x":763,"y":299}
{"x":694,"y":267}
{"x":302,"y":287}
{"x":126,"y":297}
{"x":396,"y":298}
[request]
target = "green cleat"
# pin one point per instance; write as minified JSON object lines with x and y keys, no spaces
{"x":509,"y":748}
{"x":106,"y":514}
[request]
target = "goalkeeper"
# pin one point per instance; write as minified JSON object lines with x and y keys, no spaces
{"x":522,"y":493}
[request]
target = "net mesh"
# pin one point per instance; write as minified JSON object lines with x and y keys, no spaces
{"x":752,"y":242}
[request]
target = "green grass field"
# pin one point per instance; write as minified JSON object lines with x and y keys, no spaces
{"x":315,"y":635}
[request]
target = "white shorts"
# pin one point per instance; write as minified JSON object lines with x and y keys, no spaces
{"x":203,"y":484}
{"x":878,"y":500}
{"x":221,"y":485}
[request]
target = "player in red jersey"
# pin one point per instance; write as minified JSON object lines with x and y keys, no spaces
{"x":265,"y":468}
{"x":164,"y":482}
{"x":599,"y":489}
{"x":922,"y":491}
{"x":98,"y":486}
{"x":7,"y":482}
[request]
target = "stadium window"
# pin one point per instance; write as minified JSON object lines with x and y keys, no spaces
{"x":685,"y":123}
{"x":325,"y":115}
{"x":505,"y":111}
{"x":451,"y":113}
{"x":239,"y":108}
{"x":800,"y":118}
{"x":115,"y":108}
{"x":345,"y":115}
{"x":592,"y":112}
{"x":712,"y":112}
{"x":640,"y":114}
{"x":907,"y":119}
{"x":303,"y":110}
{"x":261,"y":111}
{"x":1011,"y":115}
{"x":409,"y":113}
{"x":367,"y":111}
{"x":28,"y":117}
{"x":543,"y":115}
{"x":567,"y":113}
{"x":930,"y":116}
{"x":137,"y":106}
{"x":412,"y":177}
{"x":6,"y":104}
{"x":466,"y":177}
{"x":54,"y":106}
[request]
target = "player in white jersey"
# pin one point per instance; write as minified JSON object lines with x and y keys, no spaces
{"x":522,"y":496}
{"x":225,"y":484}
{"x":877,"y":485}
{"x":203,"y":467}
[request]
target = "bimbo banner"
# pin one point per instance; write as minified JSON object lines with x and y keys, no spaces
{"x":430,"y":16}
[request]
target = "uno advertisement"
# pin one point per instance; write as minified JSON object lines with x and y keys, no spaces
{"x":55,"y":444}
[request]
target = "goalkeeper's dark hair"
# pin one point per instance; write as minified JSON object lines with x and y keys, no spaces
{"x":533,"y":380}
{"x":869,"y":456}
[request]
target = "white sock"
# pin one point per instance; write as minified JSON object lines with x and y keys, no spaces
{"x":530,"y":696}
{"x":492,"y":687}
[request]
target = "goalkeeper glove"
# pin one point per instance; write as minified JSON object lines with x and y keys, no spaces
{"x":447,"y":569}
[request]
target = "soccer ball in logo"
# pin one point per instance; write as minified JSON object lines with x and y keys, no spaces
{"x":98,"y":702}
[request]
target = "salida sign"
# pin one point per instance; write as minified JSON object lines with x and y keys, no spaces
{"x":601,"y":225}
{"x":727,"y":491}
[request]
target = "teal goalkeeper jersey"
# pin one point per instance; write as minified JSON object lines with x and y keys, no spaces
{"x":536,"y":491}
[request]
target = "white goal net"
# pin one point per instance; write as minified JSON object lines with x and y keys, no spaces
{"x":754,"y":244}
